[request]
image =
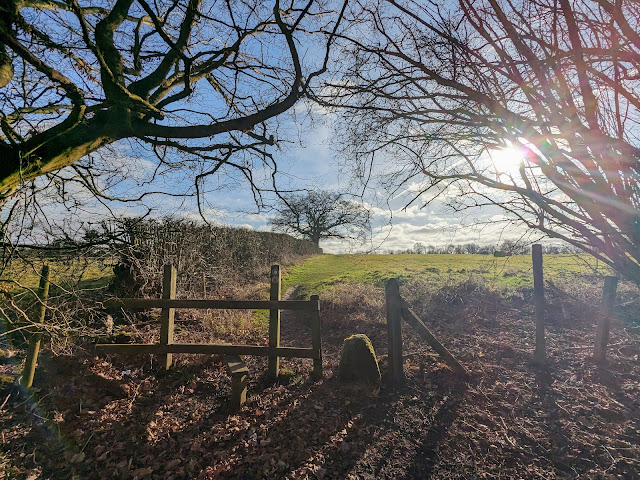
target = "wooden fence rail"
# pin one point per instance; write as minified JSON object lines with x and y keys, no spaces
{"x":147,"y":303}
{"x":208,"y":349}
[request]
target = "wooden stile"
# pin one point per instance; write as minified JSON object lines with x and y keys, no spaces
{"x":166,"y":348}
{"x":34,"y":342}
{"x":274,"y":321}
{"x":169,"y":281}
{"x":540,"y":354}
{"x":604,"y":320}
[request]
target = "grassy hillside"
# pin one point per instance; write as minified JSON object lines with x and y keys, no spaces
{"x":317,"y":273}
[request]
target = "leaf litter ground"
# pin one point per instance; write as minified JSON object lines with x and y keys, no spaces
{"x":105,"y":418}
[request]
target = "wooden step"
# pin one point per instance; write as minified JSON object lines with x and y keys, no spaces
{"x":239,"y":373}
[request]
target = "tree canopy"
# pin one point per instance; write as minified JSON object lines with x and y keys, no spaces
{"x":439,"y":89}
{"x":317,"y":215}
{"x":196,"y":82}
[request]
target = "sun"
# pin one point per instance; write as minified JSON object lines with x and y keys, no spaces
{"x":506,"y":161}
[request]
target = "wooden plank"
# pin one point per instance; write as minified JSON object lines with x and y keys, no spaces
{"x":169,"y":281}
{"x":239,"y":376}
{"x":316,"y":338}
{"x":238,"y":390}
{"x":394,"y":331}
{"x":274,"y":321}
{"x":146,"y":303}
{"x":540,"y":354}
{"x":412,"y":319}
{"x":604,"y":320}
{"x":235,"y":364}
{"x":206,"y":349}
{"x":33,"y":349}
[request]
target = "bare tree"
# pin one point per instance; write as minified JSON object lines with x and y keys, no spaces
{"x":442,"y":89}
{"x":196,"y":83}
{"x":317,"y":215}
{"x":419,"y":248}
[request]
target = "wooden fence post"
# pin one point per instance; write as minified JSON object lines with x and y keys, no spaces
{"x":169,"y":281}
{"x":394,"y":330}
{"x":540,"y":354}
{"x":34,"y":342}
{"x":316,"y":336}
{"x":604,"y":321}
{"x":274,"y":321}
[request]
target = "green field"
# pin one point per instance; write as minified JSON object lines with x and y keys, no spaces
{"x":83,"y":273}
{"x":318,"y":273}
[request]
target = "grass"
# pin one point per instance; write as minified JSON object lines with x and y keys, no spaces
{"x":83,"y":273}
{"x":319,"y":273}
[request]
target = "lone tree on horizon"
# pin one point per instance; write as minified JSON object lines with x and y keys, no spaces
{"x":317,"y":215}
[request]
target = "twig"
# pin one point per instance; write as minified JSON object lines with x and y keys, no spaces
{"x":5,"y":402}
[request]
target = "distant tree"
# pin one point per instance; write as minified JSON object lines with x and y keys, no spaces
{"x":486,"y":250}
{"x":419,"y":248}
{"x":472,"y":248}
{"x":507,"y":246}
{"x":317,"y":215}
{"x":552,"y":249}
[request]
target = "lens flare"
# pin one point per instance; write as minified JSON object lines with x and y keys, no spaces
{"x":506,"y":161}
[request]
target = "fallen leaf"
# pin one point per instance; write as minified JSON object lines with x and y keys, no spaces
{"x":77,"y":458}
{"x":143,"y":472}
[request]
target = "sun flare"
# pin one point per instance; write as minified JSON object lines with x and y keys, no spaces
{"x":506,"y":161}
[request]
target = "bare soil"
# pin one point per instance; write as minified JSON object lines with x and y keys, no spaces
{"x":104,"y":418}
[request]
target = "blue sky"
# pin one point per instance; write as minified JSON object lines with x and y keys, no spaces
{"x":306,"y":160}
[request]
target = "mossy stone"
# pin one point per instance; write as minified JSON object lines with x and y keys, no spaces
{"x":358,"y":360}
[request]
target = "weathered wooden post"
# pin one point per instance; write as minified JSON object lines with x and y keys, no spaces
{"x":394,"y":330}
{"x":540,"y":354}
{"x":316,"y":338}
{"x":604,"y":321}
{"x":34,"y":342}
{"x":274,"y":321}
{"x":169,"y":281}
